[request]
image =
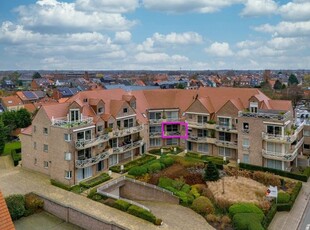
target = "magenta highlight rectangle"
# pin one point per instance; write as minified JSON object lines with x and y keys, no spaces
{"x":174,"y":123}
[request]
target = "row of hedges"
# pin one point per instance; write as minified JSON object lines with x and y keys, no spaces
{"x":151,"y":167}
{"x":20,"y":205}
{"x":95,"y":181}
{"x":301,"y":177}
{"x":167,"y":150}
{"x":140,"y":161}
{"x":246,"y":216}
{"x":282,"y":206}
{"x":269,"y":216}
{"x":16,"y":156}
{"x":218,"y":161}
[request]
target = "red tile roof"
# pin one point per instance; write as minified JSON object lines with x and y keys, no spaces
{"x":10,"y":101}
{"x":5,"y":218}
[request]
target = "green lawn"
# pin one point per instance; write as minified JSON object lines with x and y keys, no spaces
{"x":9,"y":146}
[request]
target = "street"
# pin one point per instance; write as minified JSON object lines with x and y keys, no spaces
{"x":305,"y":222}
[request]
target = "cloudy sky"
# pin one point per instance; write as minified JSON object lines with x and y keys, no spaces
{"x":154,"y":34}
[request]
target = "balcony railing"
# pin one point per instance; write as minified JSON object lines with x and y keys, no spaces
{"x":200,"y":125}
{"x":83,"y":144}
{"x":282,"y":138}
{"x":227,"y":128}
{"x":155,"y":134}
{"x":127,"y":131}
{"x":264,"y":115}
{"x":93,"y":160}
{"x":201,"y":139}
{"x":127,"y":147}
{"x":65,"y":122}
{"x":227,"y":144}
{"x":287,"y":156}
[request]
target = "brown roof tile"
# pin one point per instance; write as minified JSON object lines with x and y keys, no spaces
{"x":11,"y":101}
{"x":5,"y":218}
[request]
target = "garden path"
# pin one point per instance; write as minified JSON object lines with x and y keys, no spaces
{"x":6,"y":162}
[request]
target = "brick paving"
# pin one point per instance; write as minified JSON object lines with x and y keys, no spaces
{"x":18,"y":180}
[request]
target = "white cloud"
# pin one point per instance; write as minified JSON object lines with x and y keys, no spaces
{"x":247,"y":44}
{"x":219,"y":49}
{"x":172,"y":38}
{"x":286,"y":29}
{"x":286,"y":43}
{"x":259,"y":7}
{"x":122,"y":37}
{"x":109,"y":6}
{"x":159,"y":58}
{"x":60,"y":16}
{"x":299,"y":10}
{"x":178,"y":6}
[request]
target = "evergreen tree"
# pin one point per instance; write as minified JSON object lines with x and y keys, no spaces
{"x":292,"y":80}
{"x":211,"y":172}
{"x":23,"y":118}
{"x":277,"y":85}
{"x":4,"y":133}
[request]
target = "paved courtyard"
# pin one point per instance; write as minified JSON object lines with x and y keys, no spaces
{"x":18,"y":180}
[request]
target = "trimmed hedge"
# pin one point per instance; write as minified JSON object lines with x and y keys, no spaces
{"x":295,"y":176}
{"x":16,"y":156}
{"x":60,"y":185}
{"x":287,"y":206}
{"x":204,"y":158}
{"x":167,"y":161}
{"x":283,"y":197}
{"x":137,"y":171}
{"x":16,"y":206}
{"x":154,"y":167}
{"x":269,"y":216}
{"x":306,"y":172}
{"x":245,"y":208}
{"x":203,"y":206}
{"x":142,"y":213}
{"x":246,"y":221}
{"x":140,"y":161}
{"x":122,"y":205}
{"x":95,"y":181}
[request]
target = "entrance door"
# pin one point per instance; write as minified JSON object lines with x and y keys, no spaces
{"x":189,"y":146}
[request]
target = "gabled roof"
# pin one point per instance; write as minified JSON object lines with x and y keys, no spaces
{"x":11,"y":101}
{"x":115,"y":106}
{"x":280,"y":105}
{"x":5,"y":218}
{"x":205,"y":101}
{"x":56,"y":110}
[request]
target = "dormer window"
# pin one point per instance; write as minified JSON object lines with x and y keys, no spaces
{"x":85,"y":100}
{"x":74,"y":114}
{"x":253,"y":107}
{"x":100,"y":110}
{"x":125,"y":110}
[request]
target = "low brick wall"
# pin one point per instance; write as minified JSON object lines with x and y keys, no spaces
{"x":77,"y":217}
{"x":146,"y":192}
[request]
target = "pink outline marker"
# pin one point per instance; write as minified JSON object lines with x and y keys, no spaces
{"x":174,"y":123}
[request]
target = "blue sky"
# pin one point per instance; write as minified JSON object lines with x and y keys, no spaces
{"x":152,"y":34}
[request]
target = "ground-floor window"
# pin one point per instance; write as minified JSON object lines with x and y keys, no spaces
{"x":113,"y":160}
{"x":225,"y":152}
{"x":274,"y":164}
{"x":155,"y":142}
{"x":100,"y":166}
{"x":68,"y":174}
{"x":84,"y":173}
{"x":246,"y":158}
{"x":203,"y":148}
{"x":172,"y":141}
{"x":127,"y":154}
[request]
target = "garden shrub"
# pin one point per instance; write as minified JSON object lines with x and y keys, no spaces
{"x":187,"y":162}
{"x":154,"y":167}
{"x":122,"y":205}
{"x":95,"y":181}
{"x":167,"y":161}
{"x":283,"y":197}
{"x":223,"y":204}
{"x":16,"y":156}
{"x":194,"y":192}
{"x":91,"y":193}
{"x":203,"y":206}
{"x":138,"y":162}
{"x":306,"y":172}
{"x":158,"y":221}
{"x":165,"y":182}
{"x":33,"y":203}
{"x":211,"y":218}
{"x":186,"y":188}
{"x":225,"y":219}
{"x":115,"y":168}
{"x":16,"y":205}
{"x":185,"y":198}
{"x":60,"y":185}
{"x":110,"y":202}
{"x":245,"y":221}
{"x":142,"y":213}
{"x":244,"y":208}
{"x":211,"y":172}
{"x":267,"y":178}
{"x":137,"y":171}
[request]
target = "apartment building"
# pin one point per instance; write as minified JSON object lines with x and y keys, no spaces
{"x":94,"y":130}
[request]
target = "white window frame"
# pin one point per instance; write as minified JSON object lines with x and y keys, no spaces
{"x":68,"y":175}
{"x":67,"y":137}
{"x":45,"y":148}
{"x":68,"y":156}
{"x":45,"y":164}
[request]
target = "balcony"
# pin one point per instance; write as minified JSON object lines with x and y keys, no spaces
{"x":267,"y":115}
{"x":226,"y":128}
{"x":288,"y":156}
{"x":282,"y":138}
{"x":159,"y":121}
{"x":202,"y":139}
{"x":199,"y":125}
{"x":127,"y":131}
{"x":83,"y":144}
{"x":93,"y":160}
{"x":127,"y":147}
{"x":155,"y":134}
{"x":227,"y":144}
{"x":172,"y":133}
{"x":65,"y":122}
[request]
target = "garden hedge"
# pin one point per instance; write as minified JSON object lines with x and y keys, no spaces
{"x":142,"y":213}
{"x":203,"y":206}
{"x":95,"y":181}
{"x":283,"y":197}
{"x":137,"y":171}
{"x":122,"y":205}
{"x":269,"y":216}
{"x":140,"y":161}
{"x":245,"y":208}
{"x":295,"y":176}
{"x":16,"y":206}
{"x":16,"y":156}
{"x":246,"y":221}
{"x":60,"y":185}
{"x":287,"y":206}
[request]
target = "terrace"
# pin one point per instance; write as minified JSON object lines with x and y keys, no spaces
{"x":127,"y":147}
{"x":93,"y":160}
{"x":127,"y":131}
{"x":65,"y":122}
{"x":283,"y":138}
{"x":267,"y":114}
{"x":83,"y":144}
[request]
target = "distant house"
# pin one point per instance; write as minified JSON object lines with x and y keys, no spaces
{"x":8,"y":84}
{"x":30,"y":96}
{"x":107,"y":79}
{"x":41,"y":83}
{"x":26,"y":79}
{"x":64,"y":92}
{"x":11,"y":103}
